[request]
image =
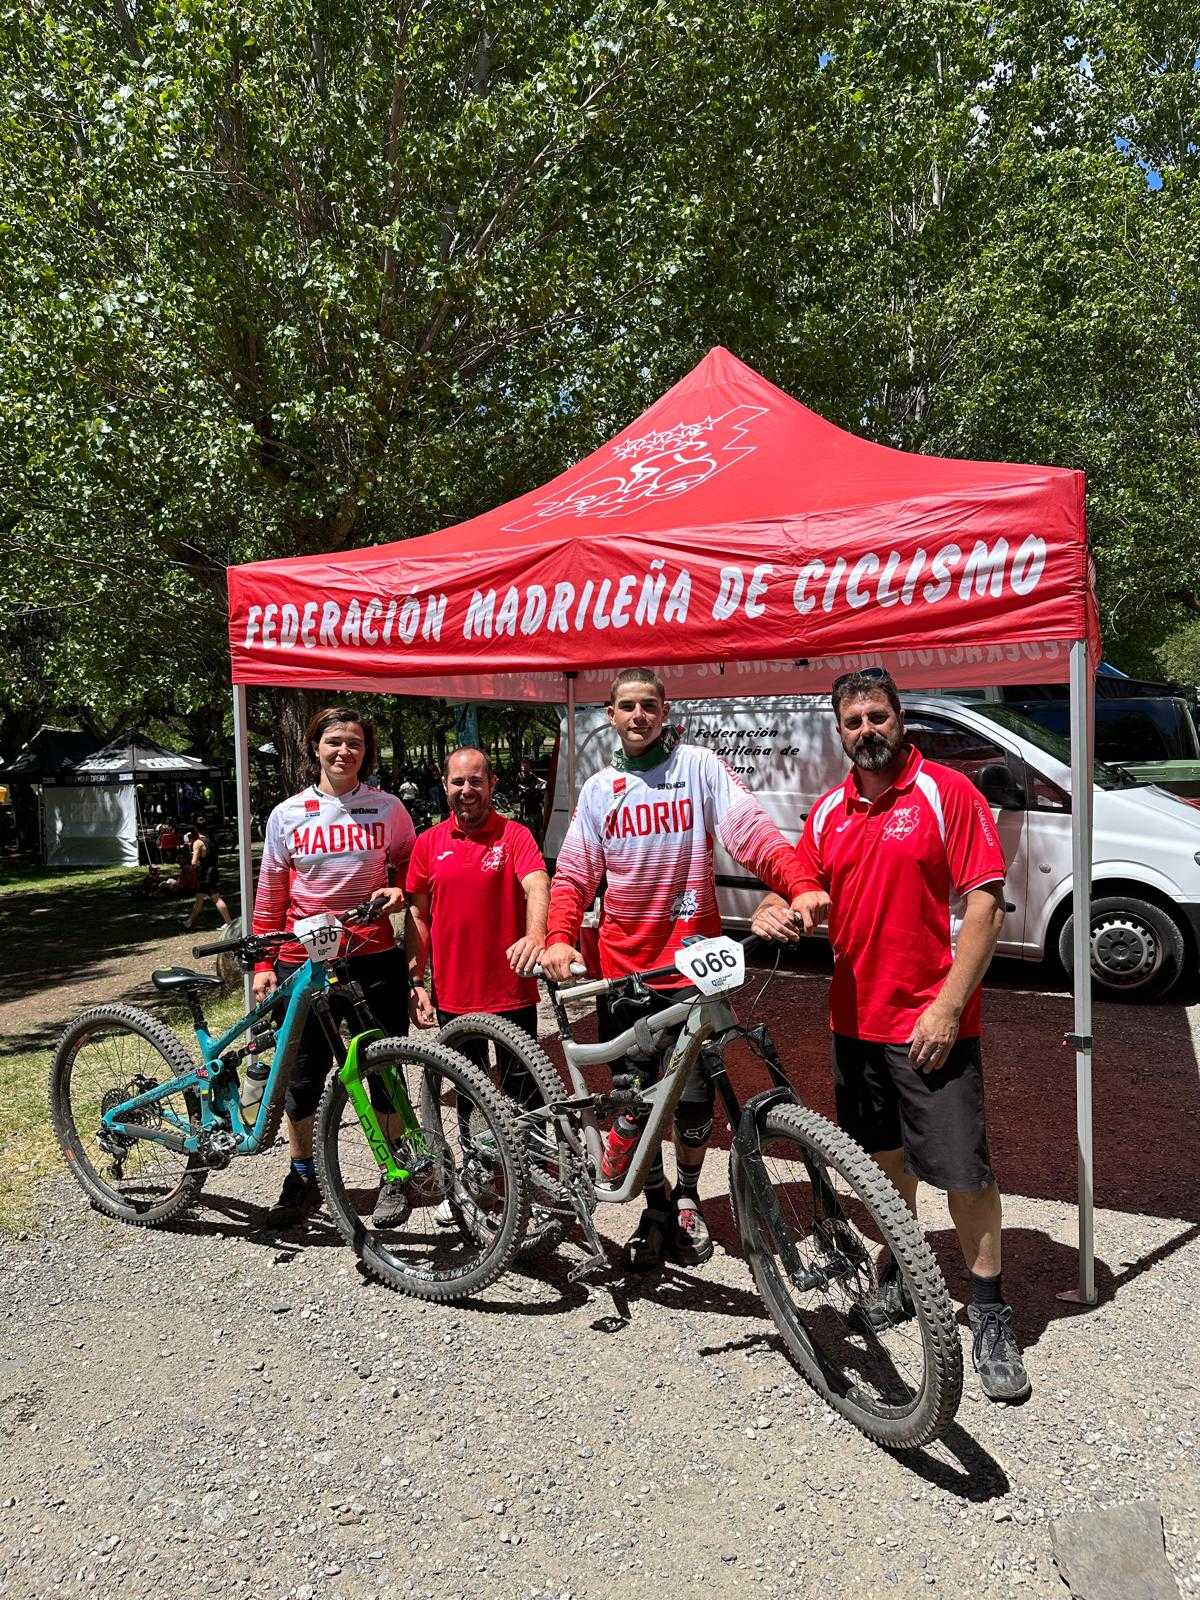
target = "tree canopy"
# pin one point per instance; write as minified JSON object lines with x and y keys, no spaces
{"x":289,"y":276}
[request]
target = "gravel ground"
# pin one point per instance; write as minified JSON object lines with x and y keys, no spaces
{"x":215,"y":1410}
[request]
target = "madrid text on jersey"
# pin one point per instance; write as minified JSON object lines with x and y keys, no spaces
{"x":661,"y":595}
{"x":337,"y":837}
{"x":636,"y":821}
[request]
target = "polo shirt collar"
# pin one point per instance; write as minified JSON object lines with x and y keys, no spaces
{"x":913,"y":762}
{"x":488,"y":834}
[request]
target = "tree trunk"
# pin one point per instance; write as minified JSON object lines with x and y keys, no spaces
{"x":295,"y":708}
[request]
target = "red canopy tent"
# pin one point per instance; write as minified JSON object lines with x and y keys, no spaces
{"x":741,"y":544}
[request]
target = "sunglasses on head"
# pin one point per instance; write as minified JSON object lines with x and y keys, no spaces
{"x":877,"y":673}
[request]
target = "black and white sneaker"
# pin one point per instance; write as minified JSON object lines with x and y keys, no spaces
{"x":690,"y":1242}
{"x":889,"y":1306}
{"x":996,"y":1355}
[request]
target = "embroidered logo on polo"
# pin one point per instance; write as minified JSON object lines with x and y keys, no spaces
{"x":662,"y":464}
{"x":494,"y":858}
{"x":901,"y":822}
{"x":684,"y":905}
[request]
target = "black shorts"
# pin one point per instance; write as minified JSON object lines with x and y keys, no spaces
{"x":698,"y":1089}
{"x":937,"y":1118}
{"x":384,"y":978}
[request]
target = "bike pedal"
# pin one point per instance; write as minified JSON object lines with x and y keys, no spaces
{"x":588,"y":1264}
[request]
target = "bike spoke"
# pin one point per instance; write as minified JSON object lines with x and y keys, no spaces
{"x":110,"y":1066}
{"x":881,"y":1370}
{"x":455,"y":1198}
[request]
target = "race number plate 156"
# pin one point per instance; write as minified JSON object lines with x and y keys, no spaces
{"x":713,"y":965}
{"x":321,"y":935}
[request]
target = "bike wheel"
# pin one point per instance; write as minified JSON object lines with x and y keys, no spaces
{"x":900,"y":1386}
{"x":503,"y":1047}
{"x":466,"y":1205}
{"x":107,"y":1055}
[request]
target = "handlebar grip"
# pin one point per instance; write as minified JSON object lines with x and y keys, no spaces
{"x":578,"y":970}
{"x":218,"y":947}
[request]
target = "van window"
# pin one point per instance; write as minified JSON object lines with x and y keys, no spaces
{"x":963,"y":749}
{"x":1106,"y":775}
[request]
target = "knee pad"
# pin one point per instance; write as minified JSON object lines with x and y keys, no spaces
{"x":693,"y":1116}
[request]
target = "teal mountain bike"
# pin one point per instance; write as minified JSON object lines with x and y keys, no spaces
{"x":142,"y":1123}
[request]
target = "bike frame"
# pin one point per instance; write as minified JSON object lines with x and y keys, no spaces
{"x":702,"y":1019}
{"x":217,"y":1087}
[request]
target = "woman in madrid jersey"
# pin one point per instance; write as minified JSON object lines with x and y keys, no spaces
{"x":328,"y":848}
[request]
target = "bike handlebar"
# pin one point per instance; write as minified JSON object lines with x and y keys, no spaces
{"x":366,"y":911}
{"x":653,"y":974}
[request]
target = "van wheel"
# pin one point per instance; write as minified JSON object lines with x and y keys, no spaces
{"x":1137,"y":949}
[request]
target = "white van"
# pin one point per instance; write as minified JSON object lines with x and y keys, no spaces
{"x":1146,"y":875}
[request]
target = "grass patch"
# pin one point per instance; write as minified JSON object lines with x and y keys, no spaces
{"x":36,"y":879}
{"x":28,"y":1149}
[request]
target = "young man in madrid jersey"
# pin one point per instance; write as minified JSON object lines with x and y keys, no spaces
{"x":887,"y":858}
{"x":648,"y":824}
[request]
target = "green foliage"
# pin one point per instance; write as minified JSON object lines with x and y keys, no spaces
{"x":285,"y":277}
{"x":1179,"y":654}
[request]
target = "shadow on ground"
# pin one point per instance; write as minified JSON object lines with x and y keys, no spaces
{"x":80,"y":934}
{"x":1146,"y":1110}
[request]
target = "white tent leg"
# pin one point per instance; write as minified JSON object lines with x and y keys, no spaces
{"x":1083,"y":691}
{"x":572,"y":776}
{"x":241,"y":769}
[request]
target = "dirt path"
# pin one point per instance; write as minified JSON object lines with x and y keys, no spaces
{"x":84,"y":945}
{"x":218,"y":1411}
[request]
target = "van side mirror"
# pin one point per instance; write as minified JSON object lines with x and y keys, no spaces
{"x":999,"y":788}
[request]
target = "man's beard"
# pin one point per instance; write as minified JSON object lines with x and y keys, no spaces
{"x":874,"y":752}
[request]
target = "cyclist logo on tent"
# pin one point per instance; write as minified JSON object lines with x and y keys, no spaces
{"x":660,"y":464}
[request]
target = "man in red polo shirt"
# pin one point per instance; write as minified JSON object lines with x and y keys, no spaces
{"x":477,"y":891}
{"x":903,"y":861}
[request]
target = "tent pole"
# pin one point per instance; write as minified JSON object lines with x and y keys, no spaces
{"x":241,"y":769}
{"x":572,"y":779}
{"x":1083,"y":691}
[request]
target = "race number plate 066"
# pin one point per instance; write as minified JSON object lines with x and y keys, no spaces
{"x":321,"y":935}
{"x":713,"y":965}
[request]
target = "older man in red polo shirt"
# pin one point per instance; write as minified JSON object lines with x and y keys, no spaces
{"x":903,"y":861}
{"x":477,"y":890}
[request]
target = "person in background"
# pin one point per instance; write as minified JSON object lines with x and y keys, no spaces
{"x":882,"y":858}
{"x":328,"y":848}
{"x":206,"y":865}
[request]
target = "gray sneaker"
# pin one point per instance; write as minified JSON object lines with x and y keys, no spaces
{"x":996,"y":1355}
{"x":392,"y":1207}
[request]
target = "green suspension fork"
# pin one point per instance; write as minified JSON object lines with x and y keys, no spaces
{"x":351,"y":1076}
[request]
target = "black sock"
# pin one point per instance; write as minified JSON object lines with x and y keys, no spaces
{"x":656,"y":1196}
{"x":986,"y":1291}
{"x":687,"y":1178}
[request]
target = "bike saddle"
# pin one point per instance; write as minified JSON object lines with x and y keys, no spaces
{"x":178,"y":980}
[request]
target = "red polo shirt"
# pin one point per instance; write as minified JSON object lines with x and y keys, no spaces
{"x":895,"y":870}
{"x":477,"y":909}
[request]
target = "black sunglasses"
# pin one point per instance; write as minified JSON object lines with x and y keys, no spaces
{"x":878,"y":673}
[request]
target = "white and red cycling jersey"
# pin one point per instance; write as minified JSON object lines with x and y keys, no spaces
{"x":652,"y":834}
{"x":329,"y":852}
